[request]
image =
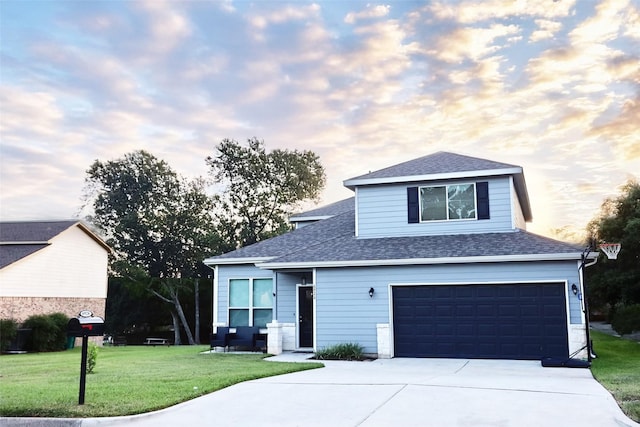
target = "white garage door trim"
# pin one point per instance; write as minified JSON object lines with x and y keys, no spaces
{"x":465,"y":283}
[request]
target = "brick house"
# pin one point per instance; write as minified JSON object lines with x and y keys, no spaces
{"x":51,"y":266}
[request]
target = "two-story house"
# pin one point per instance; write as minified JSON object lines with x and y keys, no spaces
{"x":430,"y":258}
{"x":51,"y":266}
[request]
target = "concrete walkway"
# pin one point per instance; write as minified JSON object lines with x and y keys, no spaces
{"x":406,"y":392}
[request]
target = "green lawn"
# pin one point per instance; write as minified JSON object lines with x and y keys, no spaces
{"x":617,"y":368}
{"x":131,"y":380}
{"x":126,"y":380}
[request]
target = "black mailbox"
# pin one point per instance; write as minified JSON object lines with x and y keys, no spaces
{"x":89,"y":326}
{"x":85,"y":325}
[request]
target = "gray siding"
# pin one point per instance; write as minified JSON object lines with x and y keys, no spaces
{"x":345,"y":313}
{"x":226,"y":272}
{"x":382,"y":212}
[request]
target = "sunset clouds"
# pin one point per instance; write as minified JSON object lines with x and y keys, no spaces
{"x":550,"y":85}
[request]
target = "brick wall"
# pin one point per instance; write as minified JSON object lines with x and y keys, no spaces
{"x":20,"y":308}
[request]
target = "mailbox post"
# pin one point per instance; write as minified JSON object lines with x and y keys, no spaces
{"x":85,"y":325}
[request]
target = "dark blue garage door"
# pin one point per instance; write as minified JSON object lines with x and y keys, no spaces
{"x":505,"y":321}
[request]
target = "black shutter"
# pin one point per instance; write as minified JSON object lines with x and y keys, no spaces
{"x":482,"y":199}
{"x":413,"y":205}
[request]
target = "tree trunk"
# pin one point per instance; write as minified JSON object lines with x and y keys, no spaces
{"x":176,"y":329}
{"x":196,"y":291}
{"x":183,"y":319}
{"x":180,"y":314}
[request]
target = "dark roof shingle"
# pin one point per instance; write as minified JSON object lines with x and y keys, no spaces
{"x":332,"y":209}
{"x":333,"y":240}
{"x":317,"y":232}
{"x":436,"y":163}
{"x":32,"y":231}
{"x":19,"y":239}
{"x":349,"y":248}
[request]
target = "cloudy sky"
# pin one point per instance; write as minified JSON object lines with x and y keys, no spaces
{"x":553,"y":86}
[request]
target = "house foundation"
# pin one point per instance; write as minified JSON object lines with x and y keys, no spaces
{"x":21,"y":308}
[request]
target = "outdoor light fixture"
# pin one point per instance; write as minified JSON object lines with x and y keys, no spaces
{"x":304,"y":280}
{"x":574,"y":289}
{"x":371,"y":291}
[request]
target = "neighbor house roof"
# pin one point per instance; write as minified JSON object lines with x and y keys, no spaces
{"x":19,"y":239}
{"x":444,"y":165}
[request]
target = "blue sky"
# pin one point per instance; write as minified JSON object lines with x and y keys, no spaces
{"x":552,"y":86}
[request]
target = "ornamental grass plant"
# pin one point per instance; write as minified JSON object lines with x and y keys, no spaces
{"x":345,"y":351}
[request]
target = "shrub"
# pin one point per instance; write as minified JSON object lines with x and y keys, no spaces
{"x":346,"y":351}
{"x":8,"y":332}
{"x":61,"y":321}
{"x":92,"y":357}
{"x":626,"y":319}
{"x":48,"y":332}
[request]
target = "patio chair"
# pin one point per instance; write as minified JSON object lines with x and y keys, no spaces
{"x":220,"y":338}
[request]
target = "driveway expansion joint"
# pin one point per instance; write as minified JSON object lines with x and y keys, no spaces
{"x":377,"y":408}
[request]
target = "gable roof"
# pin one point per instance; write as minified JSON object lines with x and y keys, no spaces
{"x":440,"y":163}
{"x":19,"y":239}
{"x":331,"y":242}
{"x":442,"y":166}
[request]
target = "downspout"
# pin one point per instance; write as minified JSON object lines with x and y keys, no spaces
{"x":214,"y":311}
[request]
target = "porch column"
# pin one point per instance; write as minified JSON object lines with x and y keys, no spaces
{"x":384,"y":341}
{"x":274,"y":338}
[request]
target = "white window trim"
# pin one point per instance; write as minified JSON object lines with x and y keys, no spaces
{"x":446,"y":192}
{"x":251,"y":307}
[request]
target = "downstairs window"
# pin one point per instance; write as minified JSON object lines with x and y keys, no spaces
{"x":250,"y":302}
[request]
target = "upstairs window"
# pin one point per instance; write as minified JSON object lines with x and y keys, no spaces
{"x":448,"y":202}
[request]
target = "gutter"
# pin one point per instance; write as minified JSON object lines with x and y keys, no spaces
{"x":571,"y":256}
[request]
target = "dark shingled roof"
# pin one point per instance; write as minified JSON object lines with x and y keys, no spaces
{"x":442,"y":163}
{"x":317,"y":232}
{"x":12,"y":253}
{"x":436,"y":163}
{"x":333,"y":240}
{"x":19,"y":239}
{"x":349,"y":248}
{"x":32,"y":231}
{"x":332,"y":209}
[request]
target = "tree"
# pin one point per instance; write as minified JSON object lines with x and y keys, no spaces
{"x":617,"y":282}
{"x":261,"y":189}
{"x":158,"y":224}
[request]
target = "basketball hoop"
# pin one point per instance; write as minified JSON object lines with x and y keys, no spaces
{"x":610,"y":249}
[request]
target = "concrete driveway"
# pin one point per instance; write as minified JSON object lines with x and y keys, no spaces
{"x":398,"y":392}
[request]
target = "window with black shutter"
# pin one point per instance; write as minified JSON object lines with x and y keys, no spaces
{"x":482,"y":199}
{"x":448,"y":202}
{"x":413,"y":205}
